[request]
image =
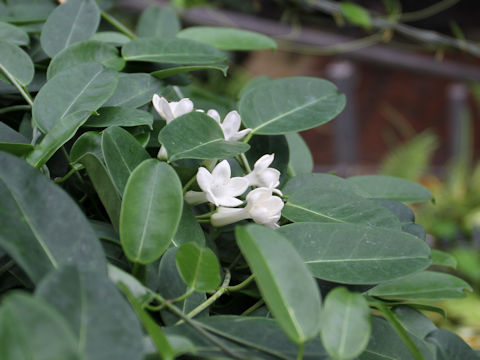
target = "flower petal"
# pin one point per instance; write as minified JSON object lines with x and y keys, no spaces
{"x":221,"y":173}
{"x":264,"y":162}
{"x":225,"y":216}
{"x":231,"y":124}
{"x":183,"y":107}
{"x":239,"y":135}
{"x":258,"y":194}
{"x":269,"y":178}
{"x":236,"y":186}
{"x":229,"y":201}
{"x":214,"y":114}
{"x":204,"y":179}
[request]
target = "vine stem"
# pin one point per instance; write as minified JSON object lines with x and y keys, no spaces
{"x":245,"y":163}
{"x":301,"y":348}
{"x":189,"y":183}
{"x":400,"y":330}
{"x":23,"y":91}
{"x":117,"y":24}
{"x":242,"y":284}
{"x":15,"y":108}
{"x":72,"y":171}
{"x":253,"y":307}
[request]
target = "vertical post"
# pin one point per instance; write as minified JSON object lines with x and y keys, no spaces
{"x":342,"y":74}
{"x":458,"y":121}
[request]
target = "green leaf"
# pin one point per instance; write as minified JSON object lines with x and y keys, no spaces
{"x":189,"y":229}
{"x":318,"y":183}
{"x":170,"y":285}
{"x":71,"y":22}
{"x":224,"y":38}
{"x":120,"y":116}
{"x":151,"y":210}
{"x":13,"y":35}
{"x":345,"y":324}
{"x":123,"y":279}
{"x":32,"y":330}
{"x":85,"y":52}
{"x":389,"y":187}
{"x":134,"y":90}
{"x":97,"y":313}
{"x":450,"y":346}
{"x":165,"y":73}
{"x":287,"y":287}
{"x":59,"y":134}
{"x":208,"y":142}
{"x":13,"y":142}
{"x":84,"y":88}
{"x":441,"y":258}
{"x":27,"y":232}
{"x":171,"y":51}
{"x":356,"y":254}
{"x":356,"y":14}
{"x":122,"y":154}
{"x":414,"y":321}
{"x":422,"y":285}
{"x":337,"y":207}
{"x":159,"y":22}
{"x":289,"y":105}
{"x":384,"y":343}
{"x":301,"y":161}
{"x":15,"y":63}
{"x":198,"y":267}
{"x":111,"y":37}
{"x":87,"y":151}
{"x":154,"y":331}
{"x":248,"y":338}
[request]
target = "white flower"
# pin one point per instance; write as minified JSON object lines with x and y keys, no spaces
{"x":218,"y":187}
{"x":171,"y":110}
{"x":262,"y":207}
{"x":230,"y":125}
{"x":263,"y":176}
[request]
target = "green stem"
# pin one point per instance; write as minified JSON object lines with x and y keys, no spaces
{"x":189,"y":183}
{"x":400,"y":330}
{"x":72,"y":171}
{"x":206,"y":215}
{"x":184,"y":296}
{"x":15,"y":108}
{"x":247,"y":138}
{"x":428,"y":11}
{"x":117,"y":24}
{"x":252,"y":308}
{"x":301,"y":348}
{"x":222,"y":290}
{"x":23,"y":91}
{"x":7,"y":266}
{"x":242,"y":284}
{"x":245,"y":163}
{"x":138,"y":271}
{"x":178,"y":92}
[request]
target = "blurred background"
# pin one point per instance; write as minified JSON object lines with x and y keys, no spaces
{"x":411,"y":72}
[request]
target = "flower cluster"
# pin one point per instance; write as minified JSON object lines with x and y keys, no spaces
{"x":219,"y":188}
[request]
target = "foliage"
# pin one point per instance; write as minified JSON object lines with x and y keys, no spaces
{"x":136,"y":225}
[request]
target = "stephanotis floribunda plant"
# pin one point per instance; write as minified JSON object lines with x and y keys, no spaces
{"x":142,"y":217}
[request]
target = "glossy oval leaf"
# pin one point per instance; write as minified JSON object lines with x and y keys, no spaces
{"x":287,"y":287}
{"x":198,"y":267}
{"x":104,"y":324}
{"x":31,"y":329}
{"x":15,"y":63}
{"x":171,"y":51}
{"x":390,"y":187}
{"x":345,"y":324}
{"x":87,"y":151}
{"x":165,"y":73}
{"x":151,"y":210}
{"x":422,"y":285}
{"x":13,"y":34}
{"x":224,"y":38}
{"x":301,"y":161}
{"x":356,"y":254}
{"x":290,"y":105}
{"x":441,"y":258}
{"x":208,"y":142}
{"x":120,"y":116}
{"x":122,"y":154}
{"x":13,"y":142}
{"x":111,"y":37}
{"x":305,"y":205}
{"x":158,"y":21}
{"x":134,"y":90}
{"x":27,"y":232}
{"x":85,"y":52}
{"x":248,"y":338}
{"x":451,"y":346}
{"x":58,"y":135}
{"x":71,"y":22}
{"x":318,"y":182}
{"x":189,"y":229}
{"x":89,"y":86}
